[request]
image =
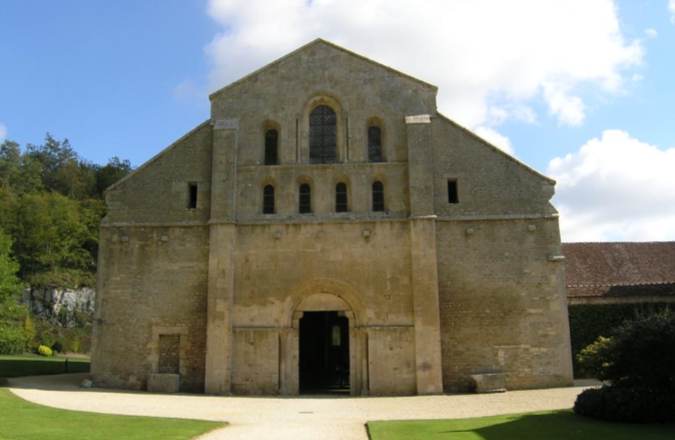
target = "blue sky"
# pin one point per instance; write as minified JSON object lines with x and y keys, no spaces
{"x":591,"y":80}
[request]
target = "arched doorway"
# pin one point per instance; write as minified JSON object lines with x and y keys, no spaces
{"x":324,"y":349}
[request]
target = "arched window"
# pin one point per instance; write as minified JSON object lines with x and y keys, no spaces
{"x":271,"y":147}
{"x":378,"y":196}
{"x":305,"y":205}
{"x":341,"y":197}
{"x":268,"y":199}
{"x":322,"y":135}
{"x":374,"y":144}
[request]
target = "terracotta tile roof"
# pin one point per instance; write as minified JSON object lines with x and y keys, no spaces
{"x":619,"y":269}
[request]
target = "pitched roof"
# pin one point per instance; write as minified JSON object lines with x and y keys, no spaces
{"x":318,"y":41}
{"x":619,"y":269}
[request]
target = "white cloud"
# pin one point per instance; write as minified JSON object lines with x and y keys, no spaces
{"x":496,"y":139}
{"x":671,"y":8}
{"x":651,"y":33}
{"x":485,"y":55}
{"x":616,"y":188}
{"x":3,"y":132}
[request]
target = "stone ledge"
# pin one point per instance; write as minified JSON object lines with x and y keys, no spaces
{"x":164,"y":383}
{"x":490,"y":383}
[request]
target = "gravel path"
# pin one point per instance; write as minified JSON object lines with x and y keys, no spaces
{"x":305,"y":418}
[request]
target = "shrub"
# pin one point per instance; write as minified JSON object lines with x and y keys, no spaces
{"x":594,"y":358}
{"x":12,"y":340}
{"x":630,"y":405}
{"x":44,"y":351}
{"x":57,"y":347}
{"x":639,"y":363}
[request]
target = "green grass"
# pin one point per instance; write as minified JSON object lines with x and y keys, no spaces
{"x":26,"y":421}
{"x":27,"y":365}
{"x":555,"y":425}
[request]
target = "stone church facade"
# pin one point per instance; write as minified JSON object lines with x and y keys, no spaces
{"x":327,"y":228}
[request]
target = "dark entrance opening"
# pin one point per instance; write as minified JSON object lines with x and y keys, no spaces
{"x":324,"y":352}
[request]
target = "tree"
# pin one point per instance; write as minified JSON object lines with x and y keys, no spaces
{"x":12,"y":339}
{"x":111,"y":173}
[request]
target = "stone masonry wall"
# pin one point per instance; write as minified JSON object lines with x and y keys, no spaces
{"x":151,"y":278}
{"x":502,"y":303}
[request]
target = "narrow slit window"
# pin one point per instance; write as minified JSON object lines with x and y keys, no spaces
{"x":378,"y":196}
{"x":341,"y":197}
{"x":268,"y":200}
{"x":305,"y":206}
{"x":452,"y":191}
{"x":374,"y":144}
{"x":192,"y":195}
{"x":271,"y":147}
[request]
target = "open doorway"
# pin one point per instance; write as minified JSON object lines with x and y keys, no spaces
{"x":324,"y":353}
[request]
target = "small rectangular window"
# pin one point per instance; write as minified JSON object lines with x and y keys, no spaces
{"x":452,"y":191}
{"x":192,"y":201}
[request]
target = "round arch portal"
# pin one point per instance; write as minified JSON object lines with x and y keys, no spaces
{"x":322,"y":295}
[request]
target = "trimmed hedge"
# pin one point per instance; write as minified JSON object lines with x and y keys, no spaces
{"x":589,"y":321}
{"x":628,"y":405}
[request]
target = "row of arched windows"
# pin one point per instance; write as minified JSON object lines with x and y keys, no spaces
{"x":323,"y":139}
{"x":305,"y":198}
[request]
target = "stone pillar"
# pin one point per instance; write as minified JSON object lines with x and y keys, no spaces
{"x":222,"y":245}
{"x":423,"y":256}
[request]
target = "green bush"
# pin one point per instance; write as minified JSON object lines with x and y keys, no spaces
{"x":638,"y":362}
{"x":589,"y":321}
{"x":44,"y":351}
{"x":628,"y":405}
{"x":12,"y":340}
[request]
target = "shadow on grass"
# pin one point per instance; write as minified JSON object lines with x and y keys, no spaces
{"x":557,"y":425}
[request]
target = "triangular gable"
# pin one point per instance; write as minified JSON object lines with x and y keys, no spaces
{"x":318,"y":41}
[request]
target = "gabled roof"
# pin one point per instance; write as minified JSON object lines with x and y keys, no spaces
{"x":318,"y":41}
{"x":619,"y":269}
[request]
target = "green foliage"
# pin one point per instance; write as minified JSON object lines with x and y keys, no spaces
{"x":592,"y":358}
{"x":35,"y":365}
{"x":29,"y":332}
{"x":44,"y":351}
{"x":588,"y":322}
{"x":626,"y":405}
{"x":10,"y":287}
{"x":51,"y":205}
{"x":638,"y":362}
{"x":12,"y":339}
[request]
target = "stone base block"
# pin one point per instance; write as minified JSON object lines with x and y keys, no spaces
{"x":490,"y":383}
{"x":164,"y":383}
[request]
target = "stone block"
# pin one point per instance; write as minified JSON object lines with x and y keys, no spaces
{"x":164,"y":383}
{"x":490,"y":383}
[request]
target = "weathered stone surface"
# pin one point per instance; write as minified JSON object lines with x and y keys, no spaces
{"x":60,"y":306}
{"x":86,"y":384}
{"x":428,"y":303}
{"x":489,"y":383}
{"x":164,"y":383}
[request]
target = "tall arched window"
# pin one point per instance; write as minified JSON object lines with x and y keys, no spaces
{"x":378,"y":196}
{"x":305,"y":205}
{"x":268,"y":199}
{"x":271,"y":147}
{"x":322,"y":135}
{"x":374,"y":144}
{"x":341,"y":197}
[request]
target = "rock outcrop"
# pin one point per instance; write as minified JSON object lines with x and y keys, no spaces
{"x":63,"y":307}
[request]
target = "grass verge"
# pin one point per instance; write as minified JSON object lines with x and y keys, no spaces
{"x":27,"y":365}
{"x":553,"y":425}
{"x":24,"y":420}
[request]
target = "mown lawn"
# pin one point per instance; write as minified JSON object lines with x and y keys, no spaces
{"x":26,"y":421}
{"x":27,"y":365}
{"x":554,"y":425}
